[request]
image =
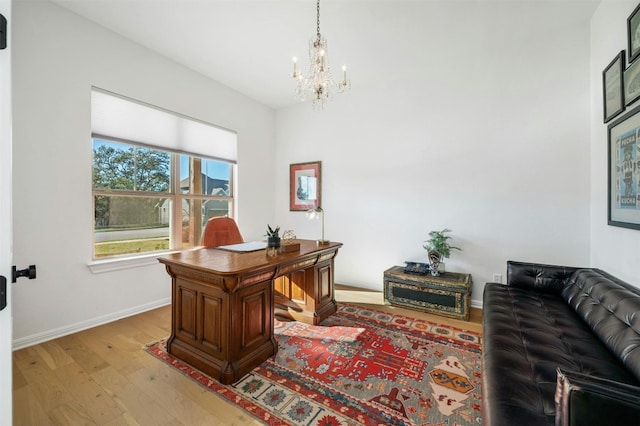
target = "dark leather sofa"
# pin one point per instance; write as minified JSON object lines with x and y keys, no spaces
{"x":561,"y":347}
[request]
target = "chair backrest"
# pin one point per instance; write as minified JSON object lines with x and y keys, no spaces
{"x":221,"y":231}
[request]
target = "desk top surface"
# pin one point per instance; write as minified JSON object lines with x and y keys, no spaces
{"x":224,"y":262}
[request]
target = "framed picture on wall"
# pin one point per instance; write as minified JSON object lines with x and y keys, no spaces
{"x":633,"y":34}
{"x":305,"y":186}
{"x":613,"y":90}
{"x":631,"y":83}
{"x":624,"y":171}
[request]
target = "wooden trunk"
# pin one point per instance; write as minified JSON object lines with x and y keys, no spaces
{"x":447,"y":294}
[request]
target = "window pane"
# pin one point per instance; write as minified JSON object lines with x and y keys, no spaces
{"x":126,"y":225}
{"x":119,"y":166}
{"x":210,"y":177}
{"x":193,"y":224}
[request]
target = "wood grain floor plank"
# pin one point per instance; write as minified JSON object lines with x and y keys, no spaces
{"x":43,"y":383}
{"x":53,"y":354}
{"x":140,"y":407}
{"x":224,"y":411}
{"x":96,"y":403}
{"x":153,"y":378}
{"x":117,"y":350}
{"x":150,"y":323}
{"x":27,"y":409}
{"x":124,"y":420}
{"x":18,"y":378}
{"x":70,"y":414}
{"x":81,"y":354}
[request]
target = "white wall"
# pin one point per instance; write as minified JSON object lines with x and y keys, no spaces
{"x":614,"y":249}
{"x":484,"y":129}
{"x":58,"y":56}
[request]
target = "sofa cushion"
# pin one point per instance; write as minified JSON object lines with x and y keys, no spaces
{"x":527,"y":336}
{"x":611,"y":308}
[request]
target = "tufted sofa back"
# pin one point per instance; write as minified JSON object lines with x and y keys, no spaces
{"x":611,"y":308}
{"x":542,"y":278}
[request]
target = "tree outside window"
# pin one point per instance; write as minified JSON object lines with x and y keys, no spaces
{"x":134,"y":195}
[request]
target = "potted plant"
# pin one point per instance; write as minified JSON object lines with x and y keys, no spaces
{"x":438,"y":247}
{"x":273,"y":239}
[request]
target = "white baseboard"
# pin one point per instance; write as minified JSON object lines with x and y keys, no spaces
{"x":44,"y":336}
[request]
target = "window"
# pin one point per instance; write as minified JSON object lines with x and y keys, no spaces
{"x":150,"y":198}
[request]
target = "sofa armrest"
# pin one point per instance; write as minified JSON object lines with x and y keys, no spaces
{"x":539,"y":277}
{"x":586,"y":400}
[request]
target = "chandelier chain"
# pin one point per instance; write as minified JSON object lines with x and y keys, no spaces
{"x":318,"y":18}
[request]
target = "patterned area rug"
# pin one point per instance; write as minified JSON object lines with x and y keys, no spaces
{"x":359,"y":367}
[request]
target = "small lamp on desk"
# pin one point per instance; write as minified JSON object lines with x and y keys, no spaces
{"x":314,"y":214}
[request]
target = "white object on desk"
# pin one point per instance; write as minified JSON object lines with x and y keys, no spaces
{"x":245,"y":247}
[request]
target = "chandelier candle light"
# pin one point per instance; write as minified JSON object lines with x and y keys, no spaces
{"x":318,"y":85}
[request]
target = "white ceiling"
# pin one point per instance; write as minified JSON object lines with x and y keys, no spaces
{"x":248,"y":44}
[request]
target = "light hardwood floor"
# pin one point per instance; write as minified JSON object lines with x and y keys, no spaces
{"x":103,"y":376}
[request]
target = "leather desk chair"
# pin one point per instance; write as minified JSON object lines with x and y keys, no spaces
{"x":221,"y":231}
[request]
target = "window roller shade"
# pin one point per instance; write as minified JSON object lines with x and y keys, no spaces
{"x":116,"y":117}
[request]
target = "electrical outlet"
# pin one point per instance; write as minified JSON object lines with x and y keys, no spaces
{"x":497,"y":278}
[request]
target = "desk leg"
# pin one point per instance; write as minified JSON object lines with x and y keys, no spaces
{"x":326,"y":303}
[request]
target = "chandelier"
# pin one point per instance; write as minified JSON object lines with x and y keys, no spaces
{"x":318,"y":84}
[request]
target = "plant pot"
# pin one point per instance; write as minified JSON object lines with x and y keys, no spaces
{"x":273,"y":245}
{"x":273,"y":242}
{"x":435,"y":259}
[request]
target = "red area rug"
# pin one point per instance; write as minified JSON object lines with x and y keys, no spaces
{"x":360,"y":366}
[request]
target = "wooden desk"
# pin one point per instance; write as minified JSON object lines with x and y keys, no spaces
{"x":222,"y":303}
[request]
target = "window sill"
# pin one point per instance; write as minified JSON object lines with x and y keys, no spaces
{"x":116,"y":264}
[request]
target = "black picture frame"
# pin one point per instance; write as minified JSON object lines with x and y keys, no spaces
{"x":623,"y":171}
{"x":613,"y":87}
{"x":633,"y":34}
